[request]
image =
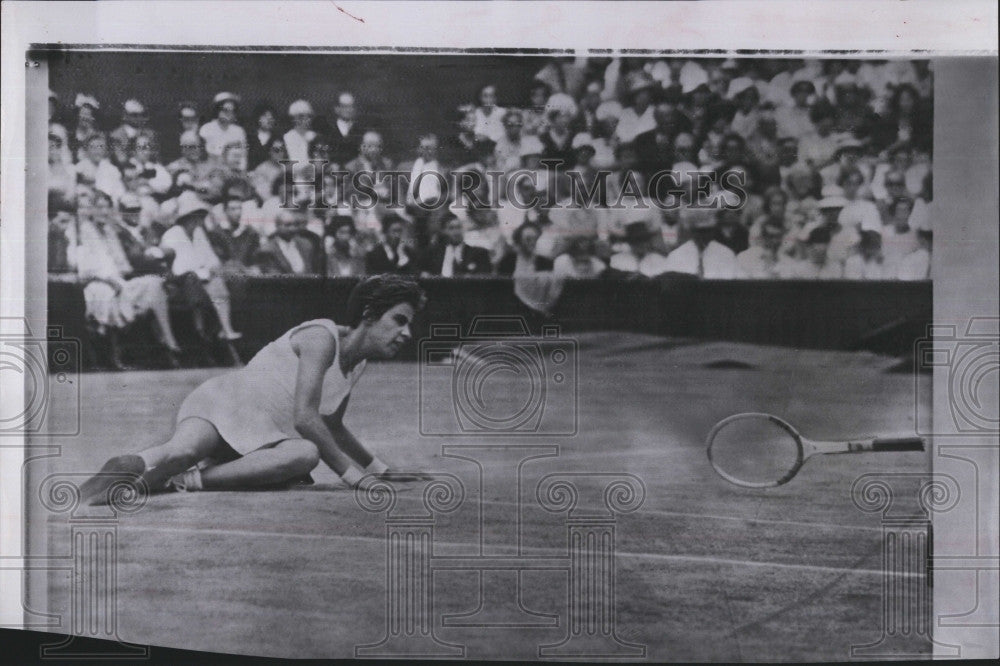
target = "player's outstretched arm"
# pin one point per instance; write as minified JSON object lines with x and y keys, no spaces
{"x":317,"y":351}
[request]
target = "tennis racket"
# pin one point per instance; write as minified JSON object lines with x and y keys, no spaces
{"x":756,"y":450}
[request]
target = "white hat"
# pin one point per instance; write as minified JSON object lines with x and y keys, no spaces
{"x":692,"y":78}
{"x":845,"y":79}
{"x":582,"y":139}
{"x":560,"y":102}
{"x":225,"y":97}
{"x":86,"y":100}
{"x":300,"y":107}
{"x":738,"y":85}
{"x":530,"y":145}
{"x":832,"y":202}
{"x":187,"y":203}
{"x":134,"y":106}
{"x":608,"y":109}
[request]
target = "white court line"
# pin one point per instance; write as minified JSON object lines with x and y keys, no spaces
{"x":709,"y":516}
{"x":554,"y":552}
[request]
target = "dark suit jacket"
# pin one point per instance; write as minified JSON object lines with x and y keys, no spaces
{"x":474,"y":260}
{"x":135,"y":250}
{"x":344,"y":148}
{"x":258,"y":152}
{"x":273,"y":261}
{"x":508,"y":263}
{"x":377,"y":261}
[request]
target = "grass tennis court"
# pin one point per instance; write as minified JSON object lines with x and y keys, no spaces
{"x":705,"y":570}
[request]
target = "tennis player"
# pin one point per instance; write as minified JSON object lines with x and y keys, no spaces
{"x":272,"y":421}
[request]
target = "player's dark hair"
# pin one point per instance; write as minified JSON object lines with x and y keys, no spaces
{"x":374,"y":296}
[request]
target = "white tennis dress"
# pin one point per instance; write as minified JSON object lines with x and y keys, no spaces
{"x":255,"y":406}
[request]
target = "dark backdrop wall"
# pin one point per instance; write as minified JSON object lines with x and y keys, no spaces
{"x":401,"y":95}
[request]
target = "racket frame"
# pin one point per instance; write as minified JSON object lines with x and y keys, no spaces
{"x":807,"y":448}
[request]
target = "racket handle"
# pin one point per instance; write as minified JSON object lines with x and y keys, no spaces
{"x":898,"y":444}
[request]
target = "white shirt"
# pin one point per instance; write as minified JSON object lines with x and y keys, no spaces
{"x":758,"y":263}
{"x":651,"y":265}
{"x":297,"y":145}
{"x":717,"y":261}
{"x":216,"y":138}
{"x":344,"y":126}
{"x":105,"y":176}
{"x":915,"y":266}
{"x":192,"y":253}
{"x":430,"y":186}
{"x":631,"y":125}
{"x":565,"y":267}
{"x":292,"y":254}
{"x":490,"y":126}
{"x":857,"y":268}
{"x":860,"y":214}
{"x":452,"y":254}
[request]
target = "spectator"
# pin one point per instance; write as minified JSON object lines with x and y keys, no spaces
{"x":482,"y":230}
{"x":452,"y":257}
{"x":802,"y":184}
{"x":557,"y":139}
{"x":87,"y":124}
{"x":854,"y":116}
{"x":818,"y":147}
{"x":909,"y":119}
{"x":847,"y":157}
{"x":260,"y":143}
{"x":192,"y":161}
{"x":489,"y":116}
{"x":344,"y":133}
{"x":188,"y":117}
{"x":637,"y":117}
{"x":115,"y":295}
{"x":580,"y":260}
{"x":391,"y":255}
{"x":269,"y":169}
{"x":746,"y":98}
{"x":96,"y":170}
{"x":775,"y":212}
{"x":193,"y":253}
{"x":867,"y":263}
{"x":899,"y":238}
{"x":56,"y":127}
{"x":534,"y":115}
{"x":344,"y":257}
{"x":286,"y":252}
{"x":843,"y":240}
{"x":522,"y":259}
{"x":917,"y":264}
{"x":793,"y":119}
{"x":122,"y":139}
{"x":144,"y":168}
{"x":61,"y":176}
{"x":765,"y":259}
{"x":817,"y":265}
{"x":62,"y":234}
{"x":298,"y":138}
{"x":902,"y":159}
{"x":730,"y":231}
{"x":508,"y":149}
{"x":702,"y":255}
{"x":223,"y":130}
{"x":370,"y":159}
{"x":858,"y":213}
{"x":460,"y":147}
{"x":639,"y":258}
{"x":589,"y":103}
{"x":236,"y":243}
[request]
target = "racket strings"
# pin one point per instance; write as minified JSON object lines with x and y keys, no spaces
{"x":755,"y":450}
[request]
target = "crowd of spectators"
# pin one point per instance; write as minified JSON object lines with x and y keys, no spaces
{"x":832,"y":159}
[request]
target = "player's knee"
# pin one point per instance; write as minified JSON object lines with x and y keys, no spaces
{"x":303,"y":456}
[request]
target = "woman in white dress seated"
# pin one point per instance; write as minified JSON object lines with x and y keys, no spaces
{"x":272,"y":421}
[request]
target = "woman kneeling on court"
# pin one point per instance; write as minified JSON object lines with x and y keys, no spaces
{"x":274,"y":420}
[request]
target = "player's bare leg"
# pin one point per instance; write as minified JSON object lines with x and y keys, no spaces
{"x":193,"y":440}
{"x":287,"y":460}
